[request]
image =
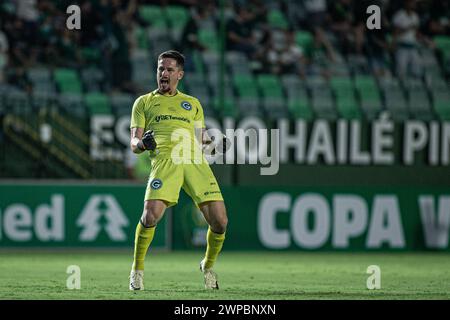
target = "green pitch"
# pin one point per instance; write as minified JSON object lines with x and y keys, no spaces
{"x":246,"y":275}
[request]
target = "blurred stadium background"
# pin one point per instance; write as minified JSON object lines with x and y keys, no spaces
{"x":310,"y":68}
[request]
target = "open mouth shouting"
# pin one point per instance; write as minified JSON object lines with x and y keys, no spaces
{"x":164,"y":84}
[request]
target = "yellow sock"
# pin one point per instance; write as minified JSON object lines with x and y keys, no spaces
{"x":214,"y":245}
{"x":142,"y":240}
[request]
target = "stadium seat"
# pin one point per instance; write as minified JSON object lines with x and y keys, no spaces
{"x":369,"y":96}
{"x":68,"y":81}
{"x":443,"y":44}
{"x":213,"y":81}
{"x":321,"y":98}
{"x":237,"y":63}
{"x":249,"y":106}
{"x":200,"y":92}
{"x":394,"y":99}
{"x":91,"y":55}
{"x":142,"y":73}
{"x":72,"y":104}
{"x":322,"y":104}
{"x":92,"y":78}
{"x":273,"y":97}
{"x":153,"y":15}
{"x":227,"y":109}
{"x":43,"y":99}
{"x":441,"y":103}
{"x":195,"y":79}
{"x":177,"y":17}
{"x":277,"y":19}
{"x":300,"y":108}
{"x":121,"y":103}
{"x":245,"y":86}
{"x":141,"y":37}
{"x":97,"y":103}
{"x":198,"y":62}
{"x":418,"y":100}
{"x":39,"y":74}
{"x":269,"y":85}
{"x":209,"y":39}
{"x":303,"y":38}
{"x":345,"y":97}
{"x":358,"y":64}
{"x":17,"y":101}
{"x":211,"y":60}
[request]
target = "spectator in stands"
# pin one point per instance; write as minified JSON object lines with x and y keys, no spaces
{"x":240,"y":36}
{"x":292,"y":59}
{"x":120,"y":54}
{"x":406,"y":40}
{"x":341,"y":16}
{"x":19,"y":79}
{"x":437,"y":19}
{"x":319,"y":55}
{"x":189,"y":41}
{"x":68,"y":47}
{"x":316,"y":14}
{"x":378,"y":47}
{"x":202,"y":17}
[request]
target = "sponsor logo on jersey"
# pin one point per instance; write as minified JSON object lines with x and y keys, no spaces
{"x":186,"y":106}
{"x":156,"y":184}
{"x":207,"y":193}
{"x":163,"y":117}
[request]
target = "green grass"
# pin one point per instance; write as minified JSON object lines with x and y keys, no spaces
{"x":244,"y":275}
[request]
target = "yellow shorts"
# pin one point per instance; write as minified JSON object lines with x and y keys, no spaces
{"x":166,"y":179}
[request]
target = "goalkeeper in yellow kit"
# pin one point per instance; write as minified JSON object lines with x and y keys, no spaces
{"x":159,"y":121}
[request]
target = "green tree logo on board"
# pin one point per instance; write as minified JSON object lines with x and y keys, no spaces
{"x":102,"y":211}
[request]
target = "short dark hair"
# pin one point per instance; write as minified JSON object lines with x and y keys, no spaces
{"x":177,"y":56}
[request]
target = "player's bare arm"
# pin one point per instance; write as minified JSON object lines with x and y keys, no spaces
{"x":141,"y":141}
{"x":135,"y":141}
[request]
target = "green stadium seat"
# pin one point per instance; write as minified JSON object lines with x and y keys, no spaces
{"x":273,"y":97}
{"x":443,"y":44}
{"x":277,"y":19}
{"x":300,"y":109}
{"x":369,"y":96}
{"x":209,"y":39}
{"x":177,"y":16}
{"x":153,"y":15}
{"x":345,"y":97}
{"x":303,"y":38}
{"x":394,"y":98}
{"x":441,"y":103}
{"x":245,"y":86}
{"x":322,"y":103}
{"x":91,"y":54}
{"x":227,"y":109}
{"x":97,"y":103}
{"x":418,"y":100}
{"x":141,"y":37}
{"x":68,"y":81}
{"x":270,"y":86}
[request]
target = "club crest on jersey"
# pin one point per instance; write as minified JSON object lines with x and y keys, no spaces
{"x":156,"y":184}
{"x":186,"y":106}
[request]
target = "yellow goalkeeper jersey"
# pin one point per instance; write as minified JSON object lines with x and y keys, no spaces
{"x":173,"y":118}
